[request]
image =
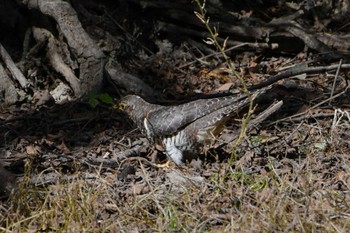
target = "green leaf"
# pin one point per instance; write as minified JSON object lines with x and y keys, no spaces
{"x":259,"y":185}
{"x":106,"y":99}
{"x":92,"y":99}
{"x":93,"y":102}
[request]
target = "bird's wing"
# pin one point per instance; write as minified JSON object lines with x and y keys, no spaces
{"x":209,"y":127}
{"x":169,"y":120}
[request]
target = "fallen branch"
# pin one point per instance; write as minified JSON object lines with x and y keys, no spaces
{"x":16,"y":73}
{"x":296,"y":71}
{"x":296,"y":116}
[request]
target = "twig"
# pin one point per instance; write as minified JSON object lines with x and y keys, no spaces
{"x":265,"y":114}
{"x":319,"y":115}
{"x":130,"y":37}
{"x":335,"y":78}
{"x":285,"y":140}
{"x":296,"y":71}
{"x":313,"y":107}
{"x":213,"y":54}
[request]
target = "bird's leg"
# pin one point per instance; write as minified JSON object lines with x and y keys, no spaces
{"x":168,"y":154}
{"x":174,"y":154}
{"x":162,"y":165}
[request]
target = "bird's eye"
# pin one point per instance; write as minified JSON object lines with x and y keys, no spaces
{"x":122,"y":106}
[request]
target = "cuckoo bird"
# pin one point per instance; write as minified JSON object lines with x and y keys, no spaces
{"x":183,"y":128}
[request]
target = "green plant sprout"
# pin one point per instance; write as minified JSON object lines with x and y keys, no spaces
{"x":201,"y":15}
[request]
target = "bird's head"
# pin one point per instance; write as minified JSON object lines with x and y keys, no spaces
{"x":133,"y":106}
{"x":129,"y":103}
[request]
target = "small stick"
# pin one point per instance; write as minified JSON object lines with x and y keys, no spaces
{"x":335,"y":78}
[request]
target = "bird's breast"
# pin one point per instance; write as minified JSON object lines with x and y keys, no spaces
{"x":180,"y":140}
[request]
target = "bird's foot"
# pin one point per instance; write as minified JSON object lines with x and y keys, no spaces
{"x":164,"y":165}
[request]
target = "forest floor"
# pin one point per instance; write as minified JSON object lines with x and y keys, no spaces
{"x":290,"y":173}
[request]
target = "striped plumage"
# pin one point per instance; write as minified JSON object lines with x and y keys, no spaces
{"x":185,"y":127}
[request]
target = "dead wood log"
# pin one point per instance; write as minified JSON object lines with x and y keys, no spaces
{"x":290,"y":31}
{"x":16,"y":73}
{"x":89,"y":56}
{"x":129,"y":82}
